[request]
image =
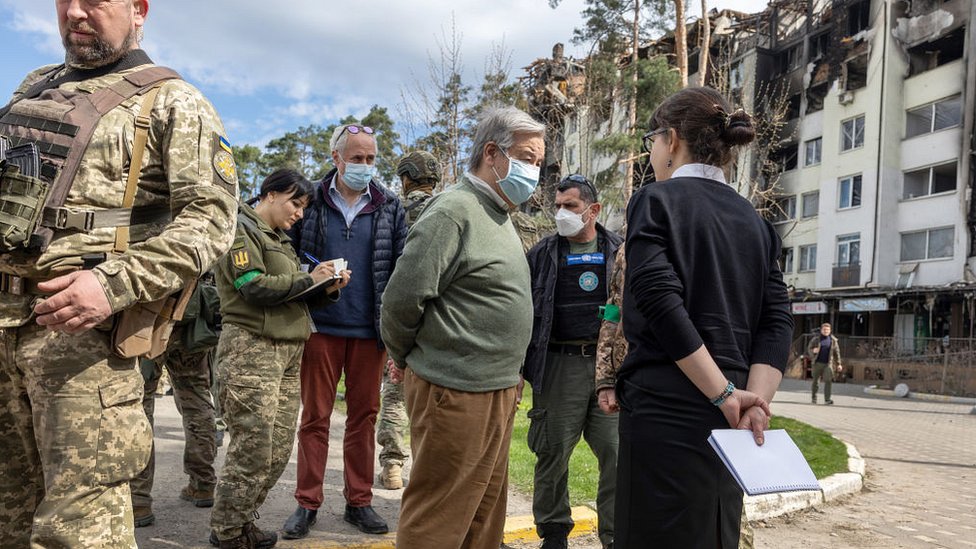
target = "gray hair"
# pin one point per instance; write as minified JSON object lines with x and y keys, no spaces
{"x":499,"y":125}
{"x":339,"y":137}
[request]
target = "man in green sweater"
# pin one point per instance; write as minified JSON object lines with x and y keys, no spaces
{"x":456,"y":320}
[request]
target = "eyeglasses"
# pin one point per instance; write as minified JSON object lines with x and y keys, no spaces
{"x":648,"y":139}
{"x":578,"y":180}
{"x":355,"y":129}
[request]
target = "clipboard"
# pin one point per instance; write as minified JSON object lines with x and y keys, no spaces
{"x":314,"y":289}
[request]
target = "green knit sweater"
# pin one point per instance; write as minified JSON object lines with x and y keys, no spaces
{"x":458,"y":308}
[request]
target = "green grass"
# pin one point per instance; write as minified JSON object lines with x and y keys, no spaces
{"x":825,"y":454}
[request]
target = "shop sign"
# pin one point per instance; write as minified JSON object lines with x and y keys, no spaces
{"x":864,"y":304}
{"x":809,"y":308}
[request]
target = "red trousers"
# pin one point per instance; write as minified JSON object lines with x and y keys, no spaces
{"x":326,"y":358}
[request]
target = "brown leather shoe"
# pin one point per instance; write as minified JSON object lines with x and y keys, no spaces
{"x":251,"y":538}
{"x":198,"y":496}
{"x":143,"y":516}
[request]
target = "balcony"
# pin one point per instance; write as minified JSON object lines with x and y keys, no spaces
{"x":846,"y":275}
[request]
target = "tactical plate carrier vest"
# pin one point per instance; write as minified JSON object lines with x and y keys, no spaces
{"x":60,"y":124}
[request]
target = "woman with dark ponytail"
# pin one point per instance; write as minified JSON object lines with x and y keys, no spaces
{"x":265,"y":325}
{"x":708,"y":327}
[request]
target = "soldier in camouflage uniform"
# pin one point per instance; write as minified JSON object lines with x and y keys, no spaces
{"x":265,"y":326}
{"x":419,"y":174}
{"x":189,"y":374}
{"x":72,"y":429}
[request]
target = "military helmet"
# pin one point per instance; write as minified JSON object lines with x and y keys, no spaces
{"x":419,"y":165}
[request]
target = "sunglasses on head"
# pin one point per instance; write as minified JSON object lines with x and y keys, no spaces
{"x":355,"y":129}
{"x":579,"y":180}
{"x":648,"y":139}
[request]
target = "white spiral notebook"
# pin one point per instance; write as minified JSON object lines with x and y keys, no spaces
{"x":776,"y":466}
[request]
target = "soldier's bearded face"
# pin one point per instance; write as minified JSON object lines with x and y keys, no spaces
{"x":99,"y":32}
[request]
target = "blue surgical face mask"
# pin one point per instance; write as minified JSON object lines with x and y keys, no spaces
{"x":358,"y":176}
{"x":520,"y":181}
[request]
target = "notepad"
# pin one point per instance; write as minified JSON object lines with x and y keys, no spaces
{"x":776,"y":466}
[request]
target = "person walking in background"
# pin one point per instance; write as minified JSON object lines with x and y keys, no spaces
{"x":456,"y":319}
{"x":570,"y":273}
{"x":825,"y":356}
{"x":126,"y":191}
{"x":351,"y":216}
{"x":706,"y":313}
{"x":265,"y":326}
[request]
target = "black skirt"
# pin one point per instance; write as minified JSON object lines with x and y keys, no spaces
{"x":672,"y":489}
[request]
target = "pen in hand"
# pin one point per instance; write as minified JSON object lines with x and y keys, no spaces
{"x":311,"y":258}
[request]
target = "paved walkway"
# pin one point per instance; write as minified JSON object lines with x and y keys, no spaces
{"x":920,"y":489}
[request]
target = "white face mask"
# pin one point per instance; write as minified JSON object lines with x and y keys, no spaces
{"x":569,"y":223}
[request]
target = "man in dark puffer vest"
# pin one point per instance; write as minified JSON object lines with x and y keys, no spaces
{"x":355,"y":218}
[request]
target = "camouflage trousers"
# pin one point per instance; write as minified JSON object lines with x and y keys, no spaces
{"x":259,"y":396}
{"x":189,"y":374}
{"x":393,"y":425}
{"x":72,"y":435}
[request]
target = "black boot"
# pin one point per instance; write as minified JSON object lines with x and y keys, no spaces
{"x":366,"y":519}
{"x":297,"y":525}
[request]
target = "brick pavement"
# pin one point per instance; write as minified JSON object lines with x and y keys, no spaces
{"x":920,"y":490}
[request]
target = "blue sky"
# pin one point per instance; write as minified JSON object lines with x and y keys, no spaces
{"x":271,"y":67}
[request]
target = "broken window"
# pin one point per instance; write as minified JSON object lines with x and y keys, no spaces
{"x":856,"y":72}
{"x":849,"y":194}
{"x":933,"y":117}
{"x":935,"y":53}
{"x":786,"y":261}
{"x":784,"y":157}
{"x":789,"y":59}
{"x":819,"y":45}
{"x":793,"y":107}
{"x":735,"y":76}
{"x":813,"y":150}
{"x":931,"y":180}
{"x":815,"y":97}
{"x":858,"y":17}
{"x":852,"y":133}
{"x":784,"y":209}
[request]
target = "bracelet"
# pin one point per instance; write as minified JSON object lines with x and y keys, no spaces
{"x":720,"y":399}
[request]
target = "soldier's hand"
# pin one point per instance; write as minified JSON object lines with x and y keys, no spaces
{"x":607,"y":398}
{"x":79,"y":303}
{"x":518,"y":390}
{"x":323,"y":271}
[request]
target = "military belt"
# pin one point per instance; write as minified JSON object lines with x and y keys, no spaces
{"x":18,"y":285}
{"x":87,"y":220}
{"x":571,"y":349}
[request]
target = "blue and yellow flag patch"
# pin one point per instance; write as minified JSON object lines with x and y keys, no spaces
{"x":224,"y":144}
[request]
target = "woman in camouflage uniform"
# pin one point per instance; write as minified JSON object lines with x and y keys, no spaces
{"x":265,"y":325}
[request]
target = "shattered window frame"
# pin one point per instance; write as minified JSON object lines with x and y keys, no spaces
{"x":849,"y":192}
{"x":817,"y":143}
{"x":925,"y":119}
{"x":852,"y":133}
{"x":808,"y":258}
{"x":786,"y":260}
{"x":784,"y":210}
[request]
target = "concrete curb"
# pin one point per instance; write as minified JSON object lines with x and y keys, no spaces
{"x":874,"y":390}
{"x":835,"y":486}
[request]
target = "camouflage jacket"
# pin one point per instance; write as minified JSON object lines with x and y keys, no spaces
{"x":611,"y":347}
{"x":413,"y":205}
{"x":530,"y":229}
{"x":187,"y":166}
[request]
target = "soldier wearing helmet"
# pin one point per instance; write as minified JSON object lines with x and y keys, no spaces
{"x":419,"y":172}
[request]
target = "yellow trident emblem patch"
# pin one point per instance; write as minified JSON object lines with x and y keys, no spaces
{"x":241,"y":260}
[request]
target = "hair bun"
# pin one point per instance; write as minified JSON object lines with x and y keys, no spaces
{"x":738,"y":129}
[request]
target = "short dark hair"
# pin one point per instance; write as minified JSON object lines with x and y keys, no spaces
{"x":285,"y":181}
{"x":704,"y":118}
{"x":586,"y":188}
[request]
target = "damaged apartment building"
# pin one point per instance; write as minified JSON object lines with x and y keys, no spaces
{"x":872,"y":190}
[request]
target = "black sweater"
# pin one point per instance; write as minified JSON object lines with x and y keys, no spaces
{"x":702,"y":268}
